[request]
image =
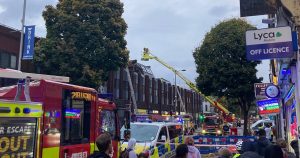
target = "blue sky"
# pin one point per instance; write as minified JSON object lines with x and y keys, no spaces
{"x":171,"y":29}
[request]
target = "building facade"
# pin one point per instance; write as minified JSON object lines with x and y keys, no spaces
{"x":153,"y":95}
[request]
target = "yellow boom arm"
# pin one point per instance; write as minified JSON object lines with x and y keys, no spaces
{"x":147,"y":56}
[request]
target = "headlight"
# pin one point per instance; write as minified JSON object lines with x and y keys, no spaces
{"x":219,"y":132}
{"x":203,"y":131}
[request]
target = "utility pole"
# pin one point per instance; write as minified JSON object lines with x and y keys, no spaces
{"x":175,"y":92}
{"x":22,"y":36}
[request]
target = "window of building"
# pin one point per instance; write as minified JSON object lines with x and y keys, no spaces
{"x":75,"y":120}
{"x":108,"y":122}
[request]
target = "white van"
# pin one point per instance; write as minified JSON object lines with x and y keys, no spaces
{"x":152,"y":134}
{"x":255,"y":126}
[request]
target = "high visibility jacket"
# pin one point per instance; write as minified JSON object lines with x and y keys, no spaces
{"x":236,"y":155}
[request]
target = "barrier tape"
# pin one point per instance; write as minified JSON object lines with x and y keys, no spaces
{"x":201,"y":145}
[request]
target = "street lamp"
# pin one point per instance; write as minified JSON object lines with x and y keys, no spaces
{"x":175,"y":72}
{"x":22,"y":34}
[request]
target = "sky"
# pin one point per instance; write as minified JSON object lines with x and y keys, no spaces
{"x":171,"y":29}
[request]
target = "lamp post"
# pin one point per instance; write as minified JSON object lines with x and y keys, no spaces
{"x":176,"y":89}
{"x":22,"y":36}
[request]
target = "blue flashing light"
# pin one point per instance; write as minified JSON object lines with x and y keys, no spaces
{"x":285,"y":71}
{"x":26,"y":110}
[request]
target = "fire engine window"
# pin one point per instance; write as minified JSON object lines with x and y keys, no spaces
{"x":108,"y":122}
{"x":75,"y":120}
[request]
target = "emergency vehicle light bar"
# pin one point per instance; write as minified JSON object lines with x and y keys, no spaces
{"x":15,"y":74}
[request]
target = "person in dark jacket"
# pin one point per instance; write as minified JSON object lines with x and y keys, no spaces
{"x":294,"y":145}
{"x":262,"y":143}
{"x":273,"y":151}
{"x":104,"y":145}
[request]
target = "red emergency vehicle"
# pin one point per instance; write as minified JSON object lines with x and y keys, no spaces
{"x":73,"y":117}
{"x":212,"y":125}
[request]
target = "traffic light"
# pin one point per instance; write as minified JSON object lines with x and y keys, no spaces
{"x":201,"y":117}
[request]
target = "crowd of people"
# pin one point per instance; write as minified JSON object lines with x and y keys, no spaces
{"x":260,"y":148}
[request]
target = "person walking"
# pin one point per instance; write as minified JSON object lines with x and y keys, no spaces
{"x":268,"y":131}
{"x":104,"y":144}
{"x":193,"y":151}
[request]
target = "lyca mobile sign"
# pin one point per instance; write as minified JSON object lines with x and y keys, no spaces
{"x":269,"y":43}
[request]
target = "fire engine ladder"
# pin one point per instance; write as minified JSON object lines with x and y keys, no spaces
{"x":135,"y":111}
{"x":147,"y":56}
{"x":15,"y":74}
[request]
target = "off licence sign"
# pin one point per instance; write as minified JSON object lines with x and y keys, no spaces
{"x":269,"y":43}
{"x":17,"y":137}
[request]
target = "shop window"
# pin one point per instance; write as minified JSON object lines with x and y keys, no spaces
{"x":75,"y":120}
{"x":108,"y":122}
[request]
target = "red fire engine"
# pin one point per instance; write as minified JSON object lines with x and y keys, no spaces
{"x":73,"y":117}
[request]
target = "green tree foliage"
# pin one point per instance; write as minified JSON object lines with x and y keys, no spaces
{"x":222,"y":65}
{"x":85,"y":40}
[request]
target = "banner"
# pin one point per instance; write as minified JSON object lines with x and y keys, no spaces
{"x":28,"y":44}
{"x":18,"y":137}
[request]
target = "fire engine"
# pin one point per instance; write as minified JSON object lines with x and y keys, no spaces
{"x":73,"y":117}
{"x":212,"y":125}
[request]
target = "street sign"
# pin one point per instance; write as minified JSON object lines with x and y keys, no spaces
{"x":269,"y":106}
{"x":269,"y":43}
{"x":28,"y":45}
{"x":260,"y":88}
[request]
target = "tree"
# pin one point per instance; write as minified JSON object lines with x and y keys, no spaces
{"x":222,"y":65}
{"x":85,"y":40}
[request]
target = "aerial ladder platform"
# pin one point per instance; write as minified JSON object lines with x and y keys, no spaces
{"x":146,"y":56}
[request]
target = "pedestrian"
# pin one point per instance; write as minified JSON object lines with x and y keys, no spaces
{"x":131,"y":147}
{"x":294,"y":145}
{"x":127,"y":135}
{"x":282,"y":144}
{"x":273,"y":151}
{"x":248,"y":146}
{"x":268,"y":131}
{"x":262,"y":142}
{"x":238,"y":146}
{"x":224,"y":153}
{"x":193,"y":151}
{"x":182,"y":151}
{"x":104,"y":144}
